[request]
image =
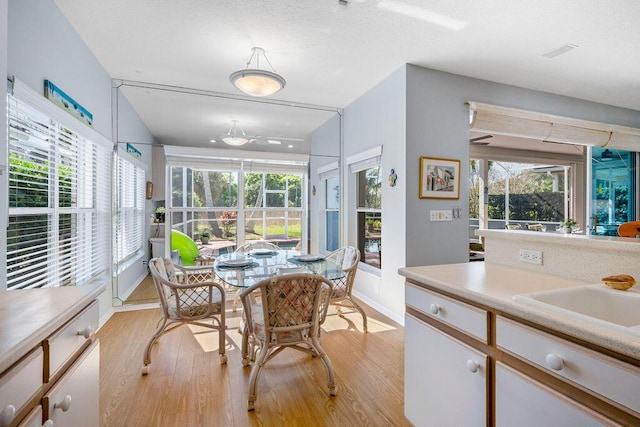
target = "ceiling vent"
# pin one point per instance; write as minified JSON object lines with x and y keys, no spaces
{"x":560,"y":50}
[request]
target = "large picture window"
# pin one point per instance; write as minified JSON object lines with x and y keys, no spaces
{"x":332,"y":213}
{"x":59,"y":200}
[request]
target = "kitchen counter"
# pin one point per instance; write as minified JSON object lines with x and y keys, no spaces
{"x":494,"y":286}
{"x":28,"y":316}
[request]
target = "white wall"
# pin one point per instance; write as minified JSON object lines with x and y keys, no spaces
{"x":3,"y":139}
{"x":438,"y":126}
{"x":41,"y":44}
{"x":378,"y":118}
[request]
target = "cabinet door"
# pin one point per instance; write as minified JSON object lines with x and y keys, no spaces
{"x":445,"y":380}
{"x":73,"y":400}
{"x":523,"y":402}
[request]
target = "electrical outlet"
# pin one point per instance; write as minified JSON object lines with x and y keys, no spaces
{"x":531,"y":256}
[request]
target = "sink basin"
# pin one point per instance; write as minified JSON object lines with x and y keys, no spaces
{"x":619,"y":310}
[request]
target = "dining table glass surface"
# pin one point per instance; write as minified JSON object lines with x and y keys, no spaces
{"x":246,"y":269}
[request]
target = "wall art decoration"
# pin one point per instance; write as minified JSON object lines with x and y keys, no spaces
{"x":54,"y":94}
{"x":439,"y":178}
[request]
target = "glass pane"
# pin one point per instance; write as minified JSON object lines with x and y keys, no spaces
{"x":294,"y":185}
{"x":215,"y":189}
{"x":535,"y":195}
{"x":275,"y":200}
{"x":333,"y":230}
{"x":612,"y":178}
{"x":333,"y":192}
{"x":369,"y":237}
{"x":370,"y":189}
{"x":276,"y":181}
{"x":253,"y":193}
{"x":177,"y":190}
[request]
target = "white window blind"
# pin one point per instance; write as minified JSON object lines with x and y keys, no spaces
{"x":365,"y":159}
{"x":329,"y":170}
{"x":59,"y":201}
{"x":130,"y":218}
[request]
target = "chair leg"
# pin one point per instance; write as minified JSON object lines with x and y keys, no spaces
{"x":255,"y":372}
{"x":236,"y":300}
{"x":146,"y":360}
{"x":222,"y":338}
{"x":331,"y":380}
{"x":361,"y":311}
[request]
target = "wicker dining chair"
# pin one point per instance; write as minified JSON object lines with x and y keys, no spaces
{"x":284,"y":312}
{"x":346,"y":258}
{"x":187,"y":296}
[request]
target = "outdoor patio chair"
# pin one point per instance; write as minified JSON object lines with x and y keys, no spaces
{"x":284,"y":312}
{"x":187,"y":296}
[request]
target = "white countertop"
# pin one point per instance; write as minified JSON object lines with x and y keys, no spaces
{"x":495,"y":285}
{"x":28,"y":316}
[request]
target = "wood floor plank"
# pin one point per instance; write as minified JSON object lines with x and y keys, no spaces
{"x":187,"y":386}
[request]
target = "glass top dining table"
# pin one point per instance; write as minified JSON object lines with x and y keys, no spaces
{"x":246,"y":269}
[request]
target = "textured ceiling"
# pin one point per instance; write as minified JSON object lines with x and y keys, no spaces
{"x":331,"y":54}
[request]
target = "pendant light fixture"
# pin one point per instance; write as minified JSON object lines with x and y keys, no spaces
{"x":255,"y":81}
{"x":233,"y":137}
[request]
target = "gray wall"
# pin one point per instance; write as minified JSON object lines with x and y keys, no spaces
{"x":43,"y":45}
{"x":438,"y":126}
{"x":325,"y":148}
{"x":379,"y":118}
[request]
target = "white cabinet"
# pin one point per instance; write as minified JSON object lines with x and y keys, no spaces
{"x":51,"y":371}
{"x":73,"y":401}
{"x":445,"y":380}
{"x":524,"y":402}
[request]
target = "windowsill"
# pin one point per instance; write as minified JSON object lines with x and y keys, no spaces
{"x":369,"y":269}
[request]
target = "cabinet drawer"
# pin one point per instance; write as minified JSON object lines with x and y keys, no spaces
{"x":464,"y":317}
{"x":72,"y":337}
{"x":34,"y":419}
{"x":73,"y":400}
{"x":599,"y":373}
{"x":19,"y":384}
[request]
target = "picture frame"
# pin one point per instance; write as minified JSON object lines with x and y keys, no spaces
{"x":439,"y":178}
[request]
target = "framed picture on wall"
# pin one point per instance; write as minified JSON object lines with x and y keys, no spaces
{"x":439,"y":178}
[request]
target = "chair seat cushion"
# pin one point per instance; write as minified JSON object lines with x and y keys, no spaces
{"x":195,"y":303}
{"x":259,"y":330}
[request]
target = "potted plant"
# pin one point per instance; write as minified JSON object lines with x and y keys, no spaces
{"x":160,"y":212}
{"x":569,"y":226}
{"x":204,"y":236}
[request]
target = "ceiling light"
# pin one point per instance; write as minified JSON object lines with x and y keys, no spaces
{"x":255,"y":81}
{"x":212,"y":140}
{"x":233,"y":138}
{"x":290,"y":146}
{"x":273,"y":141}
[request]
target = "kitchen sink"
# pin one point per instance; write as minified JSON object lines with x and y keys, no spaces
{"x":599,"y":304}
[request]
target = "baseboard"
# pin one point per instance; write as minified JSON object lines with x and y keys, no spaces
{"x":398,"y":318}
{"x":132,"y":288}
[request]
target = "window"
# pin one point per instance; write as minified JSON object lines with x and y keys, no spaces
{"x":613,"y":188}
{"x":273,"y":207}
{"x":130,"y":217}
{"x":332,"y":213}
{"x":369,"y":213}
{"x":59,"y":196}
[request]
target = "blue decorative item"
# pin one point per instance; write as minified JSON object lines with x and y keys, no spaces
{"x":393,"y":177}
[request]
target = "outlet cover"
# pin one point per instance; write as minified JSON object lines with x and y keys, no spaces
{"x":530,"y":256}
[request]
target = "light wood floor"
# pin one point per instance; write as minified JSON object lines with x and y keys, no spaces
{"x":187,"y":386}
{"x":144,"y":293}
